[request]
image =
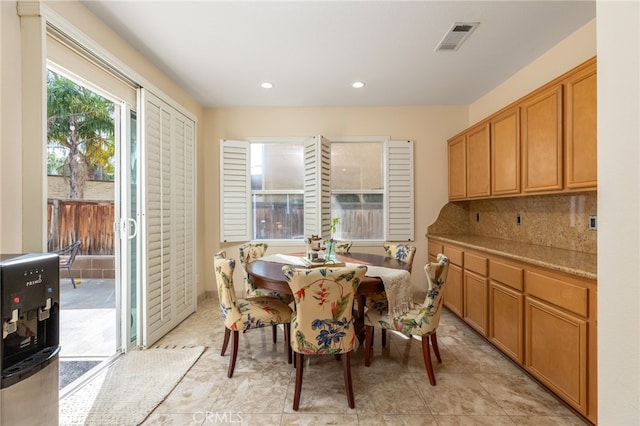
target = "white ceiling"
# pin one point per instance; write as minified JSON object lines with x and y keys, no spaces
{"x":221,"y":51}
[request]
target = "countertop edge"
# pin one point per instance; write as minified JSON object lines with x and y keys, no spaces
{"x":459,"y":240}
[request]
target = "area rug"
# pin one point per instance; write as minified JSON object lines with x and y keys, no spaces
{"x":130,"y":389}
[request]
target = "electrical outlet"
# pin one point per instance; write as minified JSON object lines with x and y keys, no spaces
{"x":593,"y":223}
{"x":518,"y":219}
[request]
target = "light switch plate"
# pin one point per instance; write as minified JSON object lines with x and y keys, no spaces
{"x":593,"y":223}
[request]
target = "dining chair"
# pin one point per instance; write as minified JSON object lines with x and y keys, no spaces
{"x":422,"y":320}
{"x":68,"y":256}
{"x":343,"y":246}
{"x":248,"y":253}
{"x":246,"y":314}
{"x":322,"y":323}
{"x":402,"y":252}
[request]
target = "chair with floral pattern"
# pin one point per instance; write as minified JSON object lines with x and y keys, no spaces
{"x":402,"y":252}
{"x":422,"y":320}
{"x":246,"y":314}
{"x":248,"y":253}
{"x":322,"y":323}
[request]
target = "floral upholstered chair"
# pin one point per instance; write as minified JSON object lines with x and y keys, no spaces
{"x":246,"y":314}
{"x":323,"y":319}
{"x":343,"y":246}
{"x":378,"y":301}
{"x":248,"y":253}
{"x":422,"y":320}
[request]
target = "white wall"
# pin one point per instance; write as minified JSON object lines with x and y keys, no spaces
{"x":618,"y":44}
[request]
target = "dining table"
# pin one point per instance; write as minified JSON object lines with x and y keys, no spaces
{"x":268,"y":274}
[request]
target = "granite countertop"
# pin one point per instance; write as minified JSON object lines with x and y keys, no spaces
{"x":571,"y":262}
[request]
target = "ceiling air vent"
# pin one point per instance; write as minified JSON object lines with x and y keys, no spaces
{"x":456,"y":35}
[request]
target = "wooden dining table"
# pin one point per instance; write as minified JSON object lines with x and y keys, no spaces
{"x":269,"y":275}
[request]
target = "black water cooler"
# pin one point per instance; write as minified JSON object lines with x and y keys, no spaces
{"x":30,"y":311}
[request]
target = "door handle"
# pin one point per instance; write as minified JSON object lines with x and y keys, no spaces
{"x":133,"y":224}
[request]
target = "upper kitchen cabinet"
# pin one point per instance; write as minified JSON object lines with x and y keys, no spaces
{"x":457,"y":152}
{"x":581,"y":128}
{"x":478,"y":162}
{"x":470,"y":164}
{"x":545,"y":142}
{"x":541,"y":131}
{"x":505,"y":152}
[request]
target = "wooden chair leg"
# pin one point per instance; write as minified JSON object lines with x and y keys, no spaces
{"x":434,"y":343}
{"x":234,"y":354}
{"x":348,"y":385}
{"x":368,"y":342}
{"x":225,"y":343}
{"x":426,"y":354}
{"x":275,"y":333}
{"x":299,"y":368}
{"x":287,"y":341}
{"x":384,"y":338}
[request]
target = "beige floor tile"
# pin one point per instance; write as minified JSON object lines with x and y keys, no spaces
{"x":397,"y":420}
{"x":474,"y":421}
{"x":319,"y":419}
{"x":548,"y":421}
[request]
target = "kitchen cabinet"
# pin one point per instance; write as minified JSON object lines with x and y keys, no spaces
{"x":505,"y":152}
{"x":453,"y":290}
{"x":557,"y":335}
{"x":581,"y":129}
{"x":545,"y":142}
{"x":541,"y":132}
{"x":478,"y":162}
{"x":457,"y":162}
{"x":543,"y":319}
{"x":506,"y":309}
{"x":475,"y":298}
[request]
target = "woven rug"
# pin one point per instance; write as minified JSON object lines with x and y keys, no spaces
{"x":130,"y":389}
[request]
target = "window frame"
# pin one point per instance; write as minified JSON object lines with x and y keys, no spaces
{"x":398,"y":172}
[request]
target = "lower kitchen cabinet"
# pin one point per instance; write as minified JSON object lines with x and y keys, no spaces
{"x":556,"y":351}
{"x":475,"y":301}
{"x":543,"y":319}
{"x":506,"y":319}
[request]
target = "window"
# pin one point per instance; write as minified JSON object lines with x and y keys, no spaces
{"x":289,"y":189}
{"x":357,"y":189}
{"x":277,"y":190}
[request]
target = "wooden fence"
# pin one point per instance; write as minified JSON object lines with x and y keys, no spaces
{"x":88,"y":221}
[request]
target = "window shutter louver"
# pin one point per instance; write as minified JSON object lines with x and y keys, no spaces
{"x":317,"y":187}
{"x":168,"y":140}
{"x":400,"y":220}
{"x":235,"y":191}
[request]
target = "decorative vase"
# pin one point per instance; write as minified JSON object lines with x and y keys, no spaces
{"x":330,"y":252}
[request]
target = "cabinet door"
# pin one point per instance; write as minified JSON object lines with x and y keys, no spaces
{"x":475,"y":301}
{"x":478,"y":162}
{"x":505,"y":153}
{"x":581,"y":130}
{"x":542,"y":141}
{"x":457,"y":168}
{"x":453,"y":290}
{"x":556,"y":351}
{"x":506,"y":320}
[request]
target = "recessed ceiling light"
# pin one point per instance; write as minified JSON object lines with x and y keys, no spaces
{"x":266,"y":85}
{"x":357,"y":85}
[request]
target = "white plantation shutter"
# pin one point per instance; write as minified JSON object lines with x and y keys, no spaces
{"x":235,"y":191}
{"x":168,"y":140}
{"x":400,"y":206}
{"x":317,"y":187}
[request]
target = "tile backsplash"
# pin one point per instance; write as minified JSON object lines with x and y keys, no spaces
{"x":558,"y":220}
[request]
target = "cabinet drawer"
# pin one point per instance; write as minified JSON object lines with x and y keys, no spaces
{"x":434,"y":248}
{"x":477,"y":264}
{"x":560,"y":293}
{"x":455,"y":255}
{"x":506,"y":274}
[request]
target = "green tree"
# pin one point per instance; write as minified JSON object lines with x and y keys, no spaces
{"x":81,"y":122}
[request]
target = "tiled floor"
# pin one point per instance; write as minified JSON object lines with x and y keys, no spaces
{"x":476,"y":385}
